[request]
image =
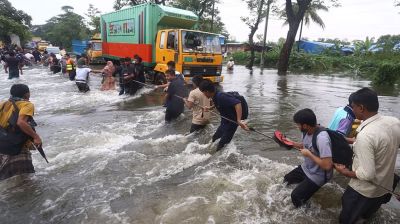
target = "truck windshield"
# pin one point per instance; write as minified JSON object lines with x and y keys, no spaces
{"x":96,"y":46}
{"x":200,"y":42}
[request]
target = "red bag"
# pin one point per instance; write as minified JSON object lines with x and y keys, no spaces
{"x":280,"y":138}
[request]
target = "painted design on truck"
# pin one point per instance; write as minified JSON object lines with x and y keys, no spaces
{"x":122,"y":28}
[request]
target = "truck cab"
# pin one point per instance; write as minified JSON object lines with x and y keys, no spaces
{"x":95,"y":52}
{"x":194,"y":53}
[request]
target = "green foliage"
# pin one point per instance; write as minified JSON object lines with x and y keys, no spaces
{"x":204,"y":10}
{"x":94,"y":19}
{"x":387,"y":74}
{"x":62,"y":29}
{"x":13,"y":21}
{"x":118,"y":4}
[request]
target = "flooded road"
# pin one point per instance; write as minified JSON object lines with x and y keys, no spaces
{"x":113,"y":160}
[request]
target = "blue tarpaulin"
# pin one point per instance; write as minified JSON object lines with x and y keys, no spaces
{"x":79,"y":46}
{"x":314,"y":47}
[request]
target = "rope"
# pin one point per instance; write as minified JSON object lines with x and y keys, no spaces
{"x":217,"y":114}
{"x":258,"y":132}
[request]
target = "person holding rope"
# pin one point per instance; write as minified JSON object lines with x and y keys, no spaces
{"x":196,"y":102}
{"x":317,"y":168}
{"x":230,"y":110}
{"x":173,"y":99}
{"x":375,"y":152}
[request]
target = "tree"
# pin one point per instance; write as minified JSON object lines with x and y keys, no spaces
{"x":13,"y":21}
{"x":294,"y":17}
{"x":257,"y":13}
{"x":310,"y":15}
{"x":209,"y":19}
{"x":118,"y":4}
{"x":93,"y":15}
{"x":62,"y":29}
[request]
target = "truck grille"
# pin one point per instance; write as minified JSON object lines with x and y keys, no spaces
{"x":204,"y":71}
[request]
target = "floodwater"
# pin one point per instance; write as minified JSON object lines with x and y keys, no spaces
{"x":113,"y":160}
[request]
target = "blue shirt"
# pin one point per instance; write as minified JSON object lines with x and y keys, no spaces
{"x":176,"y":87}
{"x":225,"y":104}
{"x":342,"y":120}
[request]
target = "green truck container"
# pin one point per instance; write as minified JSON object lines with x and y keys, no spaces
{"x":159,"y":34}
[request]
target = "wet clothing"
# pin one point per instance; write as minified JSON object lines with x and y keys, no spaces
{"x":126,"y":85}
{"x":196,"y":127}
{"x":305,"y":188}
{"x":175,"y":105}
{"x":200,"y":117}
{"x":13,"y":64}
{"x":36,"y":54}
{"x":21,"y":163}
{"x":355,"y":206}
{"x":225,"y":104}
{"x":375,"y":151}
{"x":70,"y":68}
{"x":139,"y":76}
{"x":310,"y":168}
{"x":82,"y":75}
{"x":310,"y":175}
{"x":342,"y":120}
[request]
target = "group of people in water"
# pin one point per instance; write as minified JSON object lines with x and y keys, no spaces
{"x":375,"y":142}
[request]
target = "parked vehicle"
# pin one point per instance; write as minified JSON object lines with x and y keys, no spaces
{"x":159,"y":34}
{"x":54,"y":50}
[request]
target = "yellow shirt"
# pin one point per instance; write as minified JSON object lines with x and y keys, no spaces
{"x":25,"y":108}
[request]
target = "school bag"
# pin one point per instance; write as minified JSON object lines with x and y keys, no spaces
{"x":243,"y":102}
{"x":342,"y":153}
{"x":12,"y":139}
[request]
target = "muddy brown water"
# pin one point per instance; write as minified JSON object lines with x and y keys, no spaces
{"x":113,"y":160}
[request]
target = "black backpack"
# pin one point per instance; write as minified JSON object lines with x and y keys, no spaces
{"x":245,"y":107}
{"x":12,"y":139}
{"x":342,"y":153}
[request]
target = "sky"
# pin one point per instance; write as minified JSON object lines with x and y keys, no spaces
{"x":354,"y":20}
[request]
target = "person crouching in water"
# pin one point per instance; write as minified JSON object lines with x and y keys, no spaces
{"x":317,"y":168}
{"x":175,"y":105}
{"x":228,"y":107}
{"x":82,"y":76}
{"x":11,"y":165}
{"x":197,"y":101}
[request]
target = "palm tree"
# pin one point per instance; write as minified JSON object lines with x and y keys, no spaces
{"x":310,"y":15}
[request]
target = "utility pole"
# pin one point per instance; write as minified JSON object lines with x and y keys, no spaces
{"x":212,"y":17}
{"x":265,"y":35}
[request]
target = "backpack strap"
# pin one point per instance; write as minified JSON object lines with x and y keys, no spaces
{"x":315,"y":146}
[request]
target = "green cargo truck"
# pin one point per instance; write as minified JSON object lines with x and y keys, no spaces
{"x":159,"y":34}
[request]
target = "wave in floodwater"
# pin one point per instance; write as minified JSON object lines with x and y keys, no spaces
{"x":114,"y":160}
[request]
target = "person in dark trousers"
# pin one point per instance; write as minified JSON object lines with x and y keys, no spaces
{"x":138,"y":75}
{"x":317,"y":168}
{"x":375,"y":152}
{"x":128,"y":73}
{"x":13,"y":66}
{"x":36,"y":54}
{"x":229,"y":107}
{"x":175,"y":105}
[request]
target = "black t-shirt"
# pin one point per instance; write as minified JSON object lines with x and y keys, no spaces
{"x":12,"y":63}
{"x":176,"y":87}
{"x":225,"y":105}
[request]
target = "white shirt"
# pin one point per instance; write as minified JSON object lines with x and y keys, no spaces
{"x":82,"y":74}
{"x":375,"y":152}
